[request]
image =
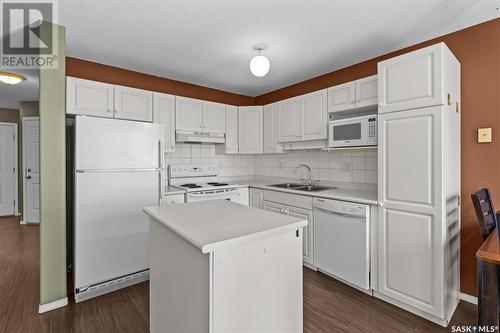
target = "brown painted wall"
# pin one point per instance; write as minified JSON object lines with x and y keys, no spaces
{"x":478,"y":50}
{"x":115,"y":75}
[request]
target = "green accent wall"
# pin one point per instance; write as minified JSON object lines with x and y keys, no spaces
{"x":53,"y":175}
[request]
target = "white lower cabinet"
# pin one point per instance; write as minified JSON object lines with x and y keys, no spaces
{"x":256,"y":197}
{"x":288,"y":205}
{"x":307,"y":240}
{"x":173,"y":199}
{"x":243,"y":196}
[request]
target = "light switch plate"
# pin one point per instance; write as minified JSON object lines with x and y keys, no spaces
{"x":483,"y":135}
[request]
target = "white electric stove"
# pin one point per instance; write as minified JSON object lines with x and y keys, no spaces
{"x":200,"y":182}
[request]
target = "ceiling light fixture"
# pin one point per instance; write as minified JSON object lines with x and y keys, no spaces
{"x":11,"y":78}
{"x":259,"y":65}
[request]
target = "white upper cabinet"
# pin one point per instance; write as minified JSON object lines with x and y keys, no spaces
{"x":367,"y":91}
{"x":164,"y":113}
{"x":188,"y":114}
{"x":231,"y":129}
{"x":313,"y":120}
{"x":271,"y":144}
{"x":214,"y":117}
{"x":133,"y":104}
{"x":89,"y":97}
{"x":412,"y":80}
{"x":288,"y":120}
{"x":342,"y":97}
{"x":250,"y":130}
{"x":361,"y":93}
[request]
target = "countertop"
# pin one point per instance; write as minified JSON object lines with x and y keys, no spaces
{"x":173,"y":190}
{"x":363,"y":196}
{"x":211,"y":224}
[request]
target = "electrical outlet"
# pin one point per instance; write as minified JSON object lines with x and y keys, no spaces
{"x":483,"y":135}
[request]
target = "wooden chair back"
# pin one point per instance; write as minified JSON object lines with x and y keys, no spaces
{"x":486,"y":214}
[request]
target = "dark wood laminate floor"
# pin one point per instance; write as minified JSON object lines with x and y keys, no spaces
{"x":329,"y":306}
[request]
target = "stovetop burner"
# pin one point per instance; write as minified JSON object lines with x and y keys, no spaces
{"x":190,"y":185}
{"x":217,"y":184}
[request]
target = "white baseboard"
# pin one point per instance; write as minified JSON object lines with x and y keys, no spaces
{"x":468,"y":298}
{"x":22,"y":222}
{"x":53,"y":305}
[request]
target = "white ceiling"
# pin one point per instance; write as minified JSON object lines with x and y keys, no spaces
{"x":210,"y":42}
{"x":25,"y":91}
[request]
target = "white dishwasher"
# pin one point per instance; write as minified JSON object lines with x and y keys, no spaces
{"x":341,"y":241}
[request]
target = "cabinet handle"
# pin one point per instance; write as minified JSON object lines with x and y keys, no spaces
{"x":109,"y":110}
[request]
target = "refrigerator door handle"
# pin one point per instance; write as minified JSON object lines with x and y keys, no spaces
{"x":159,"y":186}
{"x":160,"y":159}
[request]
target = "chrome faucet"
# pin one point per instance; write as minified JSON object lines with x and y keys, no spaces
{"x":307,"y":180}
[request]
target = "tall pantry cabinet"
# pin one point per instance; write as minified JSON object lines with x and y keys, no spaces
{"x":419,"y":182}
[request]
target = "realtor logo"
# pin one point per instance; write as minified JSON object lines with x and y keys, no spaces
{"x":23,"y":43}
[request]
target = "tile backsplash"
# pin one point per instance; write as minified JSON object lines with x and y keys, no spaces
{"x":339,"y":166}
{"x":351,"y":167}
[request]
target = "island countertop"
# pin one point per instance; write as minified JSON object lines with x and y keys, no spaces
{"x":210,"y":224}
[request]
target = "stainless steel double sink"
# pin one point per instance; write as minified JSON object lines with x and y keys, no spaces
{"x":304,"y":187}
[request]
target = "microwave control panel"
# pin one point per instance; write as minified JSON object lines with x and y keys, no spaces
{"x":372,"y":127}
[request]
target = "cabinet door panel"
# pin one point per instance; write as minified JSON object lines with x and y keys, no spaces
{"x":342,"y":97}
{"x":408,"y":141}
{"x":408,"y":267}
{"x":397,"y":92}
{"x":164,"y":113}
{"x":133,"y":104}
{"x":273,"y":207}
{"x":250,"y":130}
{"x":214,"y":117}
{"x":271,"y":144}
{"x":231,"y":129}
{"x":367,"y":91}
{"x":89,"y":97}
{"x":188,"y":114}
{"x":256,"y":198}
{"x":288,"y":120}
{"x":308,"y":231}
{"x":410,"y":241}
{"x":314,"y":116}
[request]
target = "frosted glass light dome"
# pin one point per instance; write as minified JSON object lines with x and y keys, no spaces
{"x":259,"y":65}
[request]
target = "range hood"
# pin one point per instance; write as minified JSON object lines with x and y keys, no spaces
{"x":199,"y":137}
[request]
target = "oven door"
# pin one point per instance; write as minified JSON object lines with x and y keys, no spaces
{"x":348,"y":132}
{"x":222,"y":194}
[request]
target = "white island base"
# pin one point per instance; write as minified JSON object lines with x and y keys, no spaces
{"x":217,"y":266}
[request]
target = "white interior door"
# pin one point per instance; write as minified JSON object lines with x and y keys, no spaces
{"x":31,"y":166}
{"x":8,"y":179}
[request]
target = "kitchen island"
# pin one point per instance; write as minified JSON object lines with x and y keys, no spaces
{"x":218,"y":266}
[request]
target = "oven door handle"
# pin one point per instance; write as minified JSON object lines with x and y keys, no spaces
{"x":206,"y":195}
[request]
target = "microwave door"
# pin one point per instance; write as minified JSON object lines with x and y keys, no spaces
{"x":347,"y":134}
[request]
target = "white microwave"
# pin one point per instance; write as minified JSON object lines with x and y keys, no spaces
{"x":353,"y":132}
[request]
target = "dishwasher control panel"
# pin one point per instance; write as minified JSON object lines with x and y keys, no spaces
{"x":341,"y":207}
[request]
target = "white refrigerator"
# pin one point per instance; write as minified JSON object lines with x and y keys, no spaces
{"x":117,"y":174}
